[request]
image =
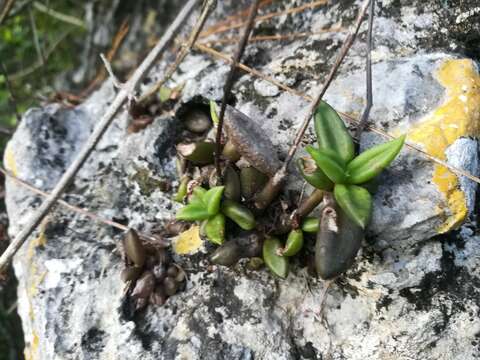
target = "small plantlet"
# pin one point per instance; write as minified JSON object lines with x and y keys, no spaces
{"x":335,"y":160}
{"x":346,"y":214}
{"x":207,"y":205}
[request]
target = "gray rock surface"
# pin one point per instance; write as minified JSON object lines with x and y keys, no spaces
{"x":413,"y":294}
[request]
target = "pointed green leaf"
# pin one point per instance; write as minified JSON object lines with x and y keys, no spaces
{"x":213,"y":112}
{"x":276,"y":263}
{"x":215,"y":229}
{"x":355,"y":201}
{"x":192,"y":212}
{"x":294,"y":243}
{"x":241,"y":215}
{"x":332,"y":133}
{"x":182,"y":189}
{"x":313,"y":175}
{"x":212,"y":199}
{"x":328,"y":163}
{"x":197,"y":196}
{"x":371,"y":162}
{"x":310,"y":225}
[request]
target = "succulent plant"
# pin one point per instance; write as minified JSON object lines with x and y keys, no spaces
{"x":210,"y":207}
{"x":338,"y":168}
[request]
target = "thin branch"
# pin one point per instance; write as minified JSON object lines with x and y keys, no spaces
{"x":266,"y":17}
{"x":96,"y":135}
{"x":231,"y":18}
{"x":369,"y":104}
{"x":110,"y":72}
{"x":277,"y":37}
{"x":12,"y":99}
{"x":19,"y":8}
{"x":274,"y":185}
{"x":230,"y":80}
{"x":186,"y":48}
{"x":6,"y":10}
{"x":74,"y":208}
{"x":38,"y":49}
{"x":58,"y":15}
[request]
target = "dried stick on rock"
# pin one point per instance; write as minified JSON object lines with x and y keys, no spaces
{"x":186,"y":48}
{"x":265,"y":197}
{"x":79,"y":210}
{"x":368,"y":69}
{"x":230,"y":80}
{"x":95,"y":137}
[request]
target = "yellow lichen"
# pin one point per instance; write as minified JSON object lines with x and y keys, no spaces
{"x":10,"y":163}
{"x":30,"y":351}
{"x":188,"y":242}
{"x":459,"y":115}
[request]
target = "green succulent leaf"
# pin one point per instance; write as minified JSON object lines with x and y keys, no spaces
{"x":310,"y":225}
{"x":241,"y":215}
{"x":192,"y":212}
{"x":371,"y":162}
{"x":313,"y":175}
{"x":197,"y":196}
{"x":355,"y":201}
{"x":294,"y":243}
{"x":212,"y":199}
{"x":213,"y":112}
{"x":182,"y":189}
{"x":276,"y":263}
{"x":215,"y":229}
{"x":328,"y":163}
{"x":332,"y":133}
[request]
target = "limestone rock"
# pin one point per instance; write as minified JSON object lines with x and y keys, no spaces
{"x":412,"y":294}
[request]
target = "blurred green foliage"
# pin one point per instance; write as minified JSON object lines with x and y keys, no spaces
{"x":30,"y":80}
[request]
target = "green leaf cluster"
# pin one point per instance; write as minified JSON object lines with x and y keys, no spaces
{"x":337,"y":167}
{"x":207,"y":206}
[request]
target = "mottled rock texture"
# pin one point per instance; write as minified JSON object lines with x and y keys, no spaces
{"x":414,"y":291}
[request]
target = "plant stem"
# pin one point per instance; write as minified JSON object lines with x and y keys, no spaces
{"x":230,"y":80}
{"x":368,"y":69}
{"x":276,"y":182}
{"x":125,"y":92}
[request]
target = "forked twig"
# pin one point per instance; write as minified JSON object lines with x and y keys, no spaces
{"x":368,"y":69}
{"x":230,"y":80}
{"x":77,"y":209}
{"x":96,"y":135}
{"x":36,"y":41}
{"x":346,"y":117}
{"x":186,"y":48}
{"x":275,"y":184}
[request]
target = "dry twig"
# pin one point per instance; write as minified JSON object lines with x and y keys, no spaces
{"x":368,"y":69}
{"x":95,"y":137}
{"x":265,"y":17}
{"x":76,"y":209}
{"x":230,"y":80}
{"x":186,"y":48}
